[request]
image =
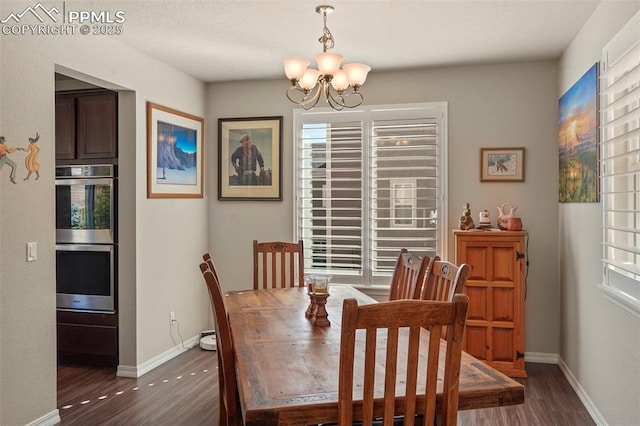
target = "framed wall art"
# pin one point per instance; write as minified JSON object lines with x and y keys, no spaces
{"x":250,"y":158}
{"x":175,"y":153}
{"x":578,"y":140}
{"x":501,"y":164}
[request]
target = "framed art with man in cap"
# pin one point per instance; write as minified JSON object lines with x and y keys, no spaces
{"x":250,"y":158}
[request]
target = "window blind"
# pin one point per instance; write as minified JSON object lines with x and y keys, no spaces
{"x":620,"y":164}
{"x":369,"y":183}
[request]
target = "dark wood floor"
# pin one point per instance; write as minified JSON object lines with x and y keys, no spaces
{"x":184,"y":391}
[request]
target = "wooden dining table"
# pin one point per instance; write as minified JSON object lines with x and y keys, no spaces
{"x":287,"y":369}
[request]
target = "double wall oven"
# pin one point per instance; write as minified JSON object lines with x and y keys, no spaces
{"x":86,"y":242}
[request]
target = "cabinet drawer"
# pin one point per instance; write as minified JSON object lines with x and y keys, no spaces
{"x":88,"y":339}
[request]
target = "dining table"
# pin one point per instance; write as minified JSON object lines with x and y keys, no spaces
{"x":287,"y":368}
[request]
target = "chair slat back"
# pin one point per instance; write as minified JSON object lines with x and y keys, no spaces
{"x":230,"y":414}
{"x":408,"y":275}
{"x":444,"y":280}
{"x":278,"y":264}
{"x":402,"y":321}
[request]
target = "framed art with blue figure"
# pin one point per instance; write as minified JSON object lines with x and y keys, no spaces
{"x":250,"y":158}
{"x":175,"y":153}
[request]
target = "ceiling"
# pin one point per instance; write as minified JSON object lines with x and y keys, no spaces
{"x":218,"y":40}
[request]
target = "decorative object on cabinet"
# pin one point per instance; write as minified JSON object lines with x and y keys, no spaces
{"x":501,"y":164}
{"x":496,"y":289}
{"x":466,"y":222}
{"x":250,"y":158}
{"x":175,"y":153}
{"x":507,"y":220}
{"x":86,"y":125}
{"x":484,"y":219}
{"x":578,"y":140}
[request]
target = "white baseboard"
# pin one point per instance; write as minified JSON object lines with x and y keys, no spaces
{"x":50,"y":419}
{"x":579,"y":390}
{"x":541,"y":357}
{"x":145,"y":367}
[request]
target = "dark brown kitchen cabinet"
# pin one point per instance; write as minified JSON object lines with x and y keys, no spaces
{"x":87,"y":125}
{"x":87,"y":338}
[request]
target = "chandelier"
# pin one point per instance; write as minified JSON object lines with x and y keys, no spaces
{"x":340,"y":87}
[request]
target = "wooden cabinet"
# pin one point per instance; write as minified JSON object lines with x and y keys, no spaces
{"x":86,"y":125}
{"x":87,"y":338}
{"x":495,"y":286}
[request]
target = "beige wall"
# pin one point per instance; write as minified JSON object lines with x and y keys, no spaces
{"x":161,"y":240}
{"x":600,"y":341}
{"x":489,"y":106}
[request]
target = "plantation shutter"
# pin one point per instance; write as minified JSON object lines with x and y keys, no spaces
{"x":404,"y":189}
{"x":620,"y":160}
{"x":368,"y":183}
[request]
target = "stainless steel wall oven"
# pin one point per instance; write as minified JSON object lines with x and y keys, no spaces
{"x":86,"y":249}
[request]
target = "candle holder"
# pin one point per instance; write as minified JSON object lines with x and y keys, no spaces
{"x":319,"y":316}
{"x":318,"y":288}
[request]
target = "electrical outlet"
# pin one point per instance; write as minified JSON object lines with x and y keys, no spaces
{"x":172,"y":316}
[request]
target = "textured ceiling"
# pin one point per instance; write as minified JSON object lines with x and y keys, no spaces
{"x":239,"y":39}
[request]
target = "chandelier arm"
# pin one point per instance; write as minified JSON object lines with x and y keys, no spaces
{"x":309,"y":99}
{"x":356,"y":94}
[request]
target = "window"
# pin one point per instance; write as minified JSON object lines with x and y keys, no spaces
{"x":620,"y":161}
{"x":368,"y":183}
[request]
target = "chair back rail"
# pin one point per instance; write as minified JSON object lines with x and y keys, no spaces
{"x":409,"y":275}
{"x":278,"y":264}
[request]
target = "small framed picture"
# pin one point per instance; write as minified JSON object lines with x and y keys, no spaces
{"x":175,"y":153}
{"x":501,"y":164}
{"x":250,"y":158}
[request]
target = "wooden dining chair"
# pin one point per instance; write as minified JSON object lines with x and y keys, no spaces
{"x":230,"y":412}
{"x":403,"y":321}
{"x":409,"y":275}
{"x":444,"y":279}
{"x":278,"y":264}
{"x":209,"y":260}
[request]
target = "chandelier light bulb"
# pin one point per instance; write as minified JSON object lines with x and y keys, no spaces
{"x":295,"y":67}
{"x":340,"y":81}
{"x":357,"y":73}
{"x":328,"y":63}
{"x":309,"y":79}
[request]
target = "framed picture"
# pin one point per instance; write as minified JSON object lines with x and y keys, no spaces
{"x":175,"y":153}
{"x":250,"y":158}
{"x":578,"y":140}
{"x":501,"y":164}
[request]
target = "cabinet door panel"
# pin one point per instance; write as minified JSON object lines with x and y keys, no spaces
{"x":477,"y":309}
{"x":476,"y":341}
{"x":477,"y":258}
{"x":65,"y":128}
{"x":503,"y":308}
{"x":97,"y":126}
{"x":502,"y":344}
{"x":504,"y":259}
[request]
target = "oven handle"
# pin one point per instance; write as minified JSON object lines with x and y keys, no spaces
{"x":85,"y":181}
{"x":85,"y":247}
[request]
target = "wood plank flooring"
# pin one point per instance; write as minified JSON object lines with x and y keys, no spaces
{"x":184,"y":391}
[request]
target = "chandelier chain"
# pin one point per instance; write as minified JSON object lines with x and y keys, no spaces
{"x":327,"y":38}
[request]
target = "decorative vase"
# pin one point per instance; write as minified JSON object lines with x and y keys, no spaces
{"x":506,"y":218}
